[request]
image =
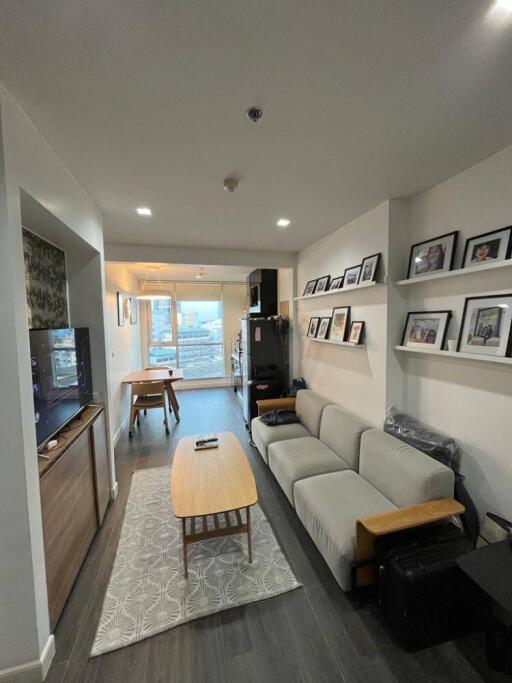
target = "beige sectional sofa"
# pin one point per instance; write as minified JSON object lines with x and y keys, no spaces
{"x":335,"y":469}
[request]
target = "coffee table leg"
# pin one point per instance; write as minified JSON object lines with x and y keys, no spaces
{"x":184,"y":533}
{"x":249,"y":544}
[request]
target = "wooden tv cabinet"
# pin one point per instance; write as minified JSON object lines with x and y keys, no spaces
{"x":75,"y":492}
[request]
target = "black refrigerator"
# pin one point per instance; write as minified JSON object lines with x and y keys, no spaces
{"x":264,"y":347}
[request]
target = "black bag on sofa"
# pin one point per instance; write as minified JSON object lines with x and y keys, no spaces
{"x":279,"y":417}
{"x":424,"y":596}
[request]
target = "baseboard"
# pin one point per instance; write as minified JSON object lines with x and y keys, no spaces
{"x":114,"y":491}
{"x":32,"y":672}
{"x":118,"y":433}
{"x":202,"y":383}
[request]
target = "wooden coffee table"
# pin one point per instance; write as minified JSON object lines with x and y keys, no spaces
{"x":215,"y":482}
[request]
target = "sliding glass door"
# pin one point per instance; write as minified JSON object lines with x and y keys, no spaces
{"x":200,"y":339}
{"x":187,"y":330}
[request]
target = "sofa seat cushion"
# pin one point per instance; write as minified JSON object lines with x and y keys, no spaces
{"x":329,"y":506}
{"x":263,"y":435}
{"x":297,"y":459}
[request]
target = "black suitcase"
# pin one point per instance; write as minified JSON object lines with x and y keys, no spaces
{"x":424,"y":597}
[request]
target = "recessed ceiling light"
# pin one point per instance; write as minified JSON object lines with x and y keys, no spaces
{"x":283,"y":222}
{"x":144,"y":211}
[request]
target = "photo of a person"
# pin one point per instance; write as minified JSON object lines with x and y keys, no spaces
{"x":485,"y":251}
{"x":424,"y":331}
{"x":433,"y":256}
{"x":324,"y":326}
{"x":313,"y":327}
{"x":429,"y":260}
{"x":367,"y":272}
{"x":488,"y":248}
{"x":486,"y":327}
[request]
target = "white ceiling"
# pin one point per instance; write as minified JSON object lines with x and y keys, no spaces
{"x":186,"y":272}
{"x":363,"y":100}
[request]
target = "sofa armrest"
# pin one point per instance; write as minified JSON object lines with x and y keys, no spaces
{"x":368,"y":528}
{"x":268,"y":404}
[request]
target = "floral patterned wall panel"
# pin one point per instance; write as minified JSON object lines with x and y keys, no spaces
{"x":45,"y":280}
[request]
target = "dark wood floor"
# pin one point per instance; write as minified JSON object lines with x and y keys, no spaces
{"x":312,"y":634}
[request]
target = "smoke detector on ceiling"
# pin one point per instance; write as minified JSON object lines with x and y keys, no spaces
{"x":230,"y":184}
{"x":254,"y":113}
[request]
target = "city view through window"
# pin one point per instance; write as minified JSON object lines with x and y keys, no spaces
{"x":198,"y":348}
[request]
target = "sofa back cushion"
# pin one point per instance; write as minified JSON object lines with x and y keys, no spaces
{"x":341,"y":432}
{"x":309,"y":407}
{"x":400,"y":472}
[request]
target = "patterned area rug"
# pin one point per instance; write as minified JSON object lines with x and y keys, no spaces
{"x":147,"y":593}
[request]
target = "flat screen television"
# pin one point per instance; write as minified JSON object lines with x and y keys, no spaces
{"x":61,"y":377}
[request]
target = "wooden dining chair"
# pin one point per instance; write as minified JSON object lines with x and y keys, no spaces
{"x":147,"y":395}
{"x":159,"y":367}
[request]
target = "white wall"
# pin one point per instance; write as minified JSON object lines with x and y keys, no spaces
{"x":470,"y":401}
{"x":124,"y":345}
{"x":26,"y":162}
{"x":353,"y":377}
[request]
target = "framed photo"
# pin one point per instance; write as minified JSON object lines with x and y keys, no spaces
{"x":486,"y":325}
{"x":351,"y":276}
{"x":488,"y":247}
{"x":356,"y":332}
{"x":310,"y":288}
{"x":322,"y":284}
{"x":339,"y":324}
{"x":433,"y":256}
{"x":323,"y":328}
{"x":369,"y":268}
{"x":313,"y":327}
{"x":426,"y":329}
{"x":133,"y":310}
{"x":336,"y":283}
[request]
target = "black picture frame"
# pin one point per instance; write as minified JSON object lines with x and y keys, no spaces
{"x":508,"y":344}
{"x":311,"y":282}
{"x":346,"y":325}
{"x":336,"y":283}
{"x":351,"y":284}
{"x":447,"y":313}
{"x":375,"y":269}
{"x":320,"y":280}
{"x":317,"y":318}
{"x":360,"y":336}
{"x":454,"y":235}
{"x":323,"y":319}
{"x":508,"y":250}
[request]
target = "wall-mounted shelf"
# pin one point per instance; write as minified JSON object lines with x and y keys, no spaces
{"x":335,"y":292}
{"x":453,"y":273}
{"x":456,"y":354}
{"x":335,"y":343}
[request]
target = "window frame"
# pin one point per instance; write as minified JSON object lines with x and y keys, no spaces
{"x":170,"y":289}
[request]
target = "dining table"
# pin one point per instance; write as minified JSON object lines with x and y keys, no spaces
{"x":159,"y":375}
